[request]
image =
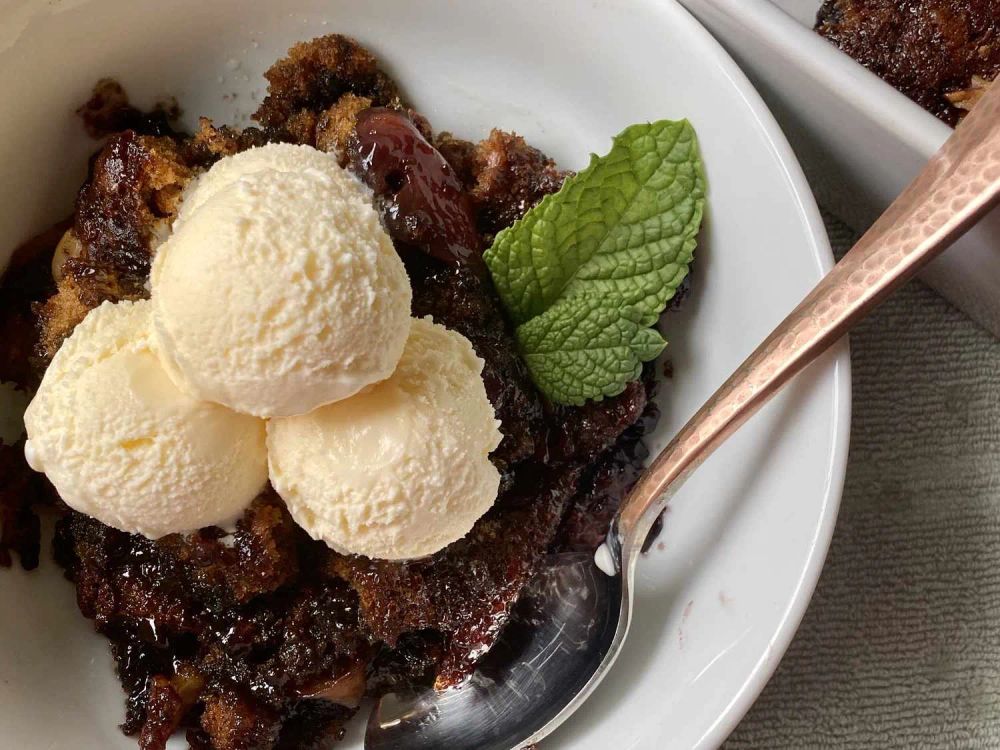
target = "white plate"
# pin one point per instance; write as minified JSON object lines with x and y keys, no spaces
{"x":860,"y":140}
{"x":722,"y":592}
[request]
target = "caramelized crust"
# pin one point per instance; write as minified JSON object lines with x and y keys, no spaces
{"x":83,"y":286}
{"x":584,"y":432}
{"x":937,"y":52}
{"x":165,"y":709}
{"x":510,"y":177}
{"x":212,"y":143}
{"x":336,"y":124}
{"x":122,"y":213}
{"x":460,"y":154}
{"x":315,"y":74}
{"x":503,"y":174}
{"x":251,"y":633}
{"x":611,"y":474}
{"x":232,"y":722}
{"x":264,"y":557}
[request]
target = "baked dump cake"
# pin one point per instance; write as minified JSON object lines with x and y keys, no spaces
{"x":268,"y":633}
{"x":943,"y":54}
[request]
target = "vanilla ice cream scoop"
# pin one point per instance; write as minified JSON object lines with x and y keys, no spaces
{"x":121,"y":443}
{"x":279,"y":290}
{"x":402,"y":470}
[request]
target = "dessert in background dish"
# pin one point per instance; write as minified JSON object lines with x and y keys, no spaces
{"x":943,"y":54}
{"x":501,"y":422}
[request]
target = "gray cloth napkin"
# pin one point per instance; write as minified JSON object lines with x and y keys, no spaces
{"x":900,"y":647}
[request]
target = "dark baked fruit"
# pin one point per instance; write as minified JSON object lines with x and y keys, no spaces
{"x":940,"y":53}
{"x":422,"y":201}
{"x":135,"y":181}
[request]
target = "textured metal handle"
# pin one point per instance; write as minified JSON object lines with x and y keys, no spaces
{"x":959,"y":184}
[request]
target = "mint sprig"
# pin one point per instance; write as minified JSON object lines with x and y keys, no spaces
{"x":589,"y":269}
{"x":582,"y":348}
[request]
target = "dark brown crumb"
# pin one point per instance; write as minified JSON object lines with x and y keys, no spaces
{"x":581,"y":433}
{"x":108,"y":111}
{"x":511,"y":177}
{"x":232,"y":722}
{"x":940,"y":53}
{"x":413,"y":661}
{"x":122,"y":212}
{"x":212,"y":143}
{"x":313,"y":725}
{"x":84,"y":286}
{"x":460,"y":154}
{"x":251,"y":633}
{"x":165,"y":708}
{"x":301,"y":128}
{"x":336,"y":124}
{"x":315,"y":74}
{"x":604,"y":485}
{"x":264,"y":558}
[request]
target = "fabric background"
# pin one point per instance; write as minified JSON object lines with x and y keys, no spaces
{"x":900,"y":647}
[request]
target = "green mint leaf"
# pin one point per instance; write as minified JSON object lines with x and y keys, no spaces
{"x":625,"y":226}
{"x":589,"y":269}
{"x":583,"y":348}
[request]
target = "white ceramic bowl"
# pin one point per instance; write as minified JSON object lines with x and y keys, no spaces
{"x":722,"y":592}
{"x":860,"y":140}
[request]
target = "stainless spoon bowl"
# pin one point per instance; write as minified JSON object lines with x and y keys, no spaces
{"x":563,"y":629}
{"x":570,"y":625}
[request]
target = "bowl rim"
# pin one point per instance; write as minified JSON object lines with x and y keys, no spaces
{"x":761,"y":674}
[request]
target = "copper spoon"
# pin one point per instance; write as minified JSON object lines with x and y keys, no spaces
{"x":574,"y":618}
